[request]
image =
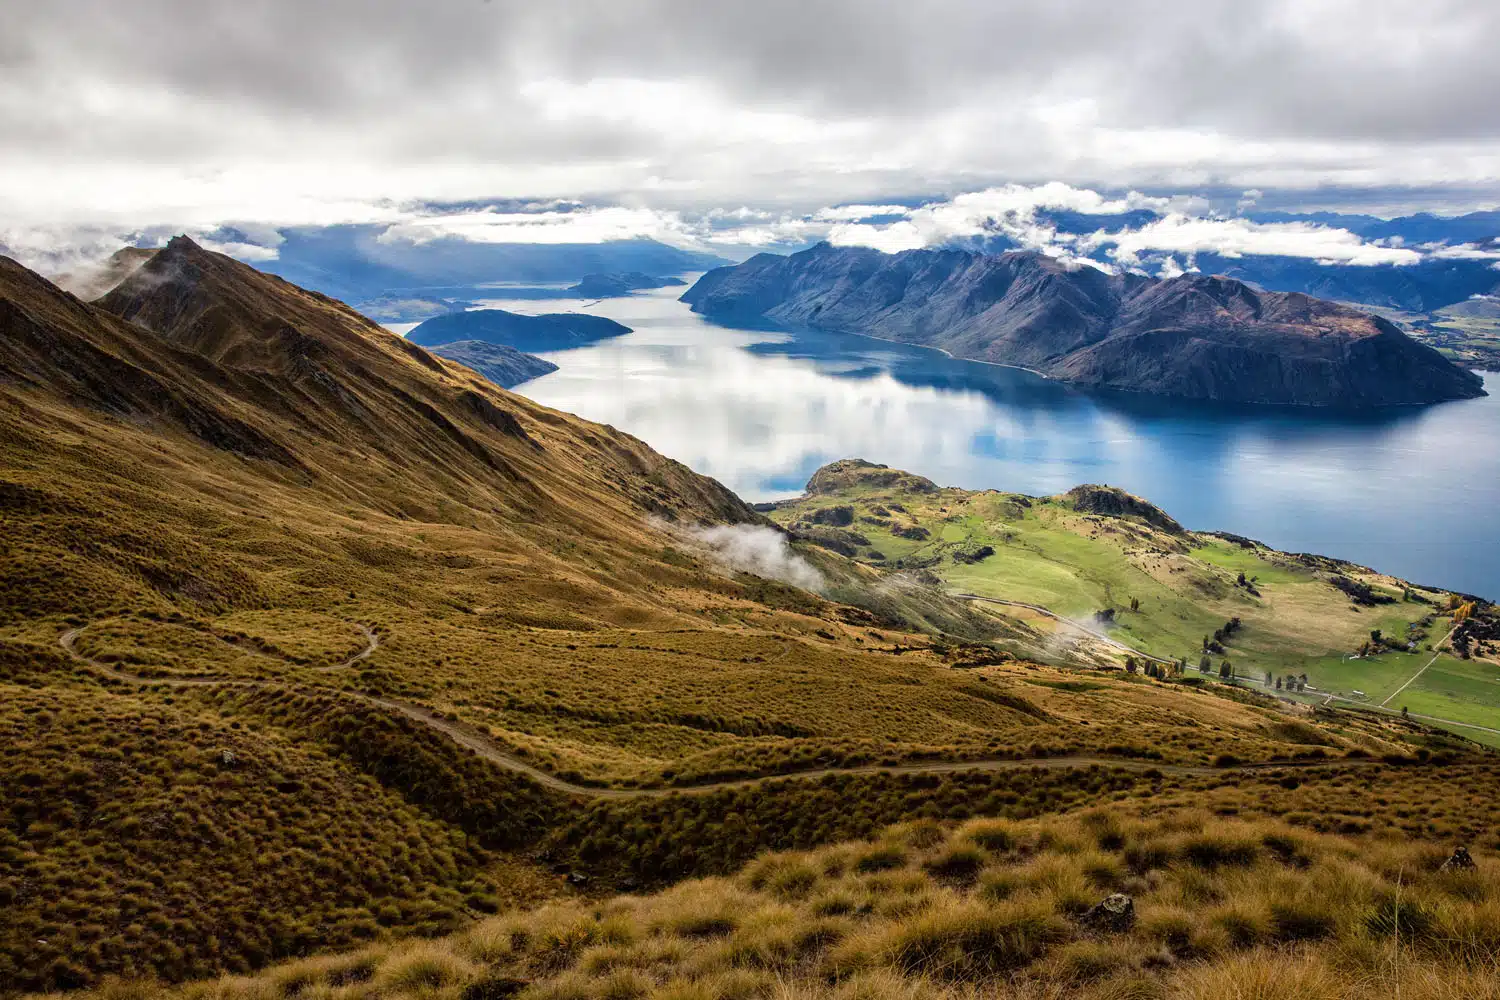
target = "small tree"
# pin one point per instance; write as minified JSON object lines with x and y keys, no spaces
{"x":1205,"y":664}
{"x":1135,"y":604}
{"x":1268,"y":678}
{"x":1225,"y":671}
{"x":1130,"y":664}
{"x":1278,"y":683}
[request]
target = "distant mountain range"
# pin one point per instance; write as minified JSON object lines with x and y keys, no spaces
{"x":1194,"y":336}
{"x":359,"y":265}
{"x":1436,"y":282}
{"x":548,"y":332}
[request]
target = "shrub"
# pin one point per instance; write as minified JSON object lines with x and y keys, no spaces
{"x":965,"y":940}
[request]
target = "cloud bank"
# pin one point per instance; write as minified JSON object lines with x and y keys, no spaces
{"x":197,"y":113}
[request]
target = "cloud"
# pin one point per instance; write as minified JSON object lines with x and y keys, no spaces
{"x":1466,"y":251}
{"x":1012,"y":211}
{"x":584,"y":225}
{"x":760,"y":551}
{"x":1178,"y":233}
{"x":193,"y":112}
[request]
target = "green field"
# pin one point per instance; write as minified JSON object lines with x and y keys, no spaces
{"x":1168,"y":588}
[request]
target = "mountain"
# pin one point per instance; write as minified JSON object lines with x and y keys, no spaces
{"x":608,"y":286}
{"x":1195,"y":336}
{"x":547,"y":332}
{"x":1424,"y":287}
{"x":316,"y":647}
{"x":359,"y":263}
{"x":504,"y":366}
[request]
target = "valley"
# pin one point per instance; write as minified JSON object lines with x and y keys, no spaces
{"x":323,"y":659}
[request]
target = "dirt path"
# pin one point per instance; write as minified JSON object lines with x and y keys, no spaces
{"x":1438,"y":651}
{"x":472,"y":739}
{"x":1102,"y":637}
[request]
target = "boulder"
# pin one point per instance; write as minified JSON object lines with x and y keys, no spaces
{"x":1116,"y":913}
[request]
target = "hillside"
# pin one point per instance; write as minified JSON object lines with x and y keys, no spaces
{"x":310,"y":638}
{"x":504,"y":366}
{"x":1119,"y":566}
{"x":1194,"y":336}
{"x":548,"y":332}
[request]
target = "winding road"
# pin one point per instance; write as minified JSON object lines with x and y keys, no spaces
{"x":481,"y":745}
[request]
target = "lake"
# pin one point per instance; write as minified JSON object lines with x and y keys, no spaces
{"x":1410,"y":491}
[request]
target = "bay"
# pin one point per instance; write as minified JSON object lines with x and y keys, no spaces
{"x":1410,"y":491}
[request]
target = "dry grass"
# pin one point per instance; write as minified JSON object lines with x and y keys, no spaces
{"x":242,"y":518}
{"x":1247,"y":910}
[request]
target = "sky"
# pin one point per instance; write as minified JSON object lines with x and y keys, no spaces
{"x":738,"y":124}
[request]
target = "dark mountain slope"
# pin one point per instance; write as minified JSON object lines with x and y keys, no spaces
{"x":605,"y":286}
{"x":198,"y":343}
{"x":548,"y":332}
{"x":1195,"y":336}
{"x":504,"y":366}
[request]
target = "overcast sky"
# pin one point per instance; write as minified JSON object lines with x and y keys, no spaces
{"x":189,"y":113}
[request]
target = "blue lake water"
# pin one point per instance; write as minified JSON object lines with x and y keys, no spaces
{"x":1411,"y":491}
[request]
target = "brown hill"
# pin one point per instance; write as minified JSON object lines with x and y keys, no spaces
{"x":308,"y":636}
{"x":1194,"y":336}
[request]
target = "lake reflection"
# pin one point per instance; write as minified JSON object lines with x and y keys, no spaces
{"x":1411,"y":491}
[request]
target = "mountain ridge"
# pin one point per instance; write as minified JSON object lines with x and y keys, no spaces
{"x":1195,"y":336}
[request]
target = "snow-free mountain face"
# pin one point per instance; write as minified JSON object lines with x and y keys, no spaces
{"x":1192,"y":336}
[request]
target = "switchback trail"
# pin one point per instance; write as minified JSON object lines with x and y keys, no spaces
{"x":1066,"y":621}
{"x":482,"y":746}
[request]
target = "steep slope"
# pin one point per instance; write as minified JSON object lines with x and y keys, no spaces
{"x":1194,"y":336}
{"x":283,"y":592}
{"x":504,"y":366}
{"x":548,"y":332}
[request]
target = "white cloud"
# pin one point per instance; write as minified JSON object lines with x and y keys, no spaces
{"x":1466,"y":251}
{"x":760,"y":551}
{"x":1178,"y":233}
{"x":252,"y":253}
{"x":585,"y":225}
{"x":1182,"y":228}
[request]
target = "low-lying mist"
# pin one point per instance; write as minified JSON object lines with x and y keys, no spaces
{"x":756,"y":549}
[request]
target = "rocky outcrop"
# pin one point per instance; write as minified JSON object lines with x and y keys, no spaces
{"x":1114,"y":914}
{"x":1111,"y":501}
{"x":1195,"y":336}
{"x":850,"y":472}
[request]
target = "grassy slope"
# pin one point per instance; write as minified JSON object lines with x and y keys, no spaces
{"x":1049,"y":553}
{"x":1235,"y":895}
{"x":286,"y":473}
